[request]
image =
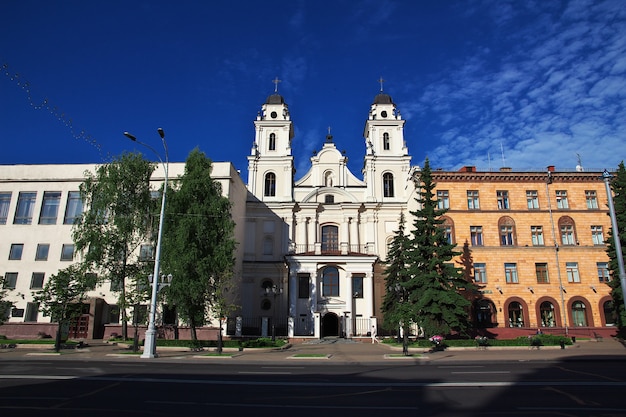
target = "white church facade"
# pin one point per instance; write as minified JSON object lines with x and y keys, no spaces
{"x":314,"y":244}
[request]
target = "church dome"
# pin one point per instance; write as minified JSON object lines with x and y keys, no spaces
{"x":275,"y":99}
{"x":383,"y":98}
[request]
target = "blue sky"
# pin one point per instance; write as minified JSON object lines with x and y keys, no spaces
{"x":490,"y":83}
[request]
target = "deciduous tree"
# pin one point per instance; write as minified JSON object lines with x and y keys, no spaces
{"x":199,"y":244}
{"x":62,"y":296}
{"x":116,"y":222}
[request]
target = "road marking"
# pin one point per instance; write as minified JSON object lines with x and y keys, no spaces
{"x":481,"y":372}
{"x":263,"y":373}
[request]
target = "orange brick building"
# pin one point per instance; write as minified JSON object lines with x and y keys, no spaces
{"x":537,"y":242}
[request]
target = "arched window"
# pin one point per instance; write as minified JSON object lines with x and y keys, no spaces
{"x":386,"y":141}
{"x":579,"y":314}
{"x":330,"y":282}
{"x":546,"y":310}
{"x":506,"y":226}
{"x":330,"y":238}
{"x":448,"y":229}
{"x":272,"y":142}
{"x":567,"y":230}
{"x":270,"y":184}
{"x":610,"y":315}
{"x":516,"y":315}
{"x":388,"y":184}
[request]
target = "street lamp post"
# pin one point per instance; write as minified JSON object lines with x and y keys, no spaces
{"x":618,"y":246}
{"x":275,"y":291}
{"x":149,"y":348}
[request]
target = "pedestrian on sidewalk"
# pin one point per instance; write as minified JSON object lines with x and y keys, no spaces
{"x":374,"y":338}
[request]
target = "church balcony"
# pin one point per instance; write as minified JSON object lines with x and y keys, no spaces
{"x":328,"y":250}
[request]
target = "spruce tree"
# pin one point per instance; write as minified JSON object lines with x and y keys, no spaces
{"x":618,"y":187}
{"x":434,"y":281}
{"x":396,"y":308}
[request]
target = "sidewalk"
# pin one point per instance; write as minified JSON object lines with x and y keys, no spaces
{"x":332,"y":352}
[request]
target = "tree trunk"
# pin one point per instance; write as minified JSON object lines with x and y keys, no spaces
{"x":219,"y":338}
{"x":405,"y":342}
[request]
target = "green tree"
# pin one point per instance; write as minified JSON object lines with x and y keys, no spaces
{"x":618,"y":187}
{"x":396,"y":304}
{"x":62,"y":296}
{"x":5,"y":305}
{"x":435,"y":283}
{"x":199,"y":248}
{"x":466,"y":262}
{"x":117,"y":220}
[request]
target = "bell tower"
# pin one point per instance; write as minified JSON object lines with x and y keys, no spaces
{"x":387,"y":161}
{"x":270,"y":163}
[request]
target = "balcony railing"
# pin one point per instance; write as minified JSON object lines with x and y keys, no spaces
{"x":319,"y":249}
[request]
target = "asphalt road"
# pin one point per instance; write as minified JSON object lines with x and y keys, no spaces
{"x":214,"y":388}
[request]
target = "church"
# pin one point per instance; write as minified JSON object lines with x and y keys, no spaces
{"x":312,"y":249}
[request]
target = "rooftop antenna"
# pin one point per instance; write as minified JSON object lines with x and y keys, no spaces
{"x":276,"y":81}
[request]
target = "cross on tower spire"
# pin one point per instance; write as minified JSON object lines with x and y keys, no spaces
{"x":276,"y":81}
{"x":381,"y":81}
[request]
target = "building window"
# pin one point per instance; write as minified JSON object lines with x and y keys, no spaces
{"x":388,"y":184}
{"x":32,"y":311}
{"x":579,"y":314}
{"x":50,"y":207}
{"x":304,"y":287}
{"x":36,"y":282}
{"x":448,"y":229}
{"x":329,"y":199}
{"x":480,"y":273}
{"x":386,"y":141}
{"x":503,"y":200}
{"x":546,"y":310}
{"x":516,"y":315}
{"x":270,"y":184}
{"x":10,"y":280}
{"x":597,"y":236}
{"x":15,"y":254}
{"x":566,"y":228}
{"x":67,"y":252}
{"x":603,"y":272}
{"x":272,"y":142}
{"x":536,"y":234}
{"x":443,"y":200}
{"x":25,"y":206}
{"x":472,"y":200}
{"x":561,"y":199}
{"x":476,"y":235}
{"x":5,"y":202}
{"x":116,"y":285}
{"x":571,"y":269}
{"x":268,"y":245}
{"x":330,"y":238}
{"x":510,"y":273}
{"x":74,"y":207}
{"x":140,"y":314}
{"x":541,"y":269}
{"x":610,"y":315}
{"x":42,"y":252}
{"x":532,"y":200}
{"x":330,"y":282}
{"x":507,"y":231}
{"x":114,"y":314}
{"x":146,"y":253}
{"x":357,"y":286}
{"x":592,"y":199}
